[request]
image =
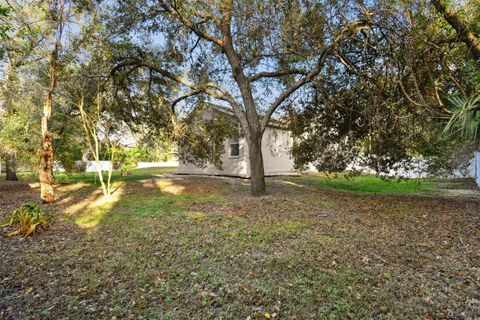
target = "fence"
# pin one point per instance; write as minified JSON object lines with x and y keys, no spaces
{"x":92,"y":166}
{"x":141,"y":165}
{"x":418,"y":168}
{"x":105,"y":165}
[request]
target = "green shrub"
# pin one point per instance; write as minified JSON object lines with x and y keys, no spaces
{"x":126,"y":159}
{"x":27,"y":218}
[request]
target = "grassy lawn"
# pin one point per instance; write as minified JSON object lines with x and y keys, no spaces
{"x":201,"y":248}
{"x":361,"y":184}
{"x":92,"y":177}
{"x":371,"y":184}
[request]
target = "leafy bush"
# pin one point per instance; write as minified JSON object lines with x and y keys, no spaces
{"x":126,"y":159}
{"x":28,"y":217}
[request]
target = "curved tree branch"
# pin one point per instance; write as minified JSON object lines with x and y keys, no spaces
{"x":294,"y":87}
{"x":212,"y":89}
{"x":183,"y":97}
{"x":190,"y":24}
{"x":348,"y":30}
{"x":275,"y":74}
{"x":468,"y":37}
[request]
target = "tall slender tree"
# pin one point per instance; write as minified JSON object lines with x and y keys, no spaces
{"x":9,"y":153}
{"x":39,"y":41}
{"x":56,"y":17}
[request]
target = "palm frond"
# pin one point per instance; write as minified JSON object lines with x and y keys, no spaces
{"x":465,"y":118}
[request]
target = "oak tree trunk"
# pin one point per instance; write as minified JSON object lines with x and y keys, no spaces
{"x":257,"y":172}
{"x":11,"y":165}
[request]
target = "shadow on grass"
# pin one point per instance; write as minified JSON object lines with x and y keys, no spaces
{"x":202,"y":248}
{"x":177,"y":257}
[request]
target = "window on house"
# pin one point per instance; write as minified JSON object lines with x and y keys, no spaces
{"x":234,"y":148}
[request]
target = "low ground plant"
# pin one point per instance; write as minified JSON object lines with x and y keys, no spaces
{"x":27,"y":219}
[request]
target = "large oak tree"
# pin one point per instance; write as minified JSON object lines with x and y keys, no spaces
{"x":253,"y":56}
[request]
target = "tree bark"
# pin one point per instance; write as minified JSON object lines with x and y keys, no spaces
{"x":10,"y":155}
{"x":46,"y":162}
{"x":249,"y":120}
{"x":257,"y":173}
{"x":465,"y":35}
{"x":46,"y":166}
{"x":11,"y":166}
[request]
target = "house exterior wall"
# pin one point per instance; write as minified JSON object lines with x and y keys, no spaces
{"x":276,"y":151}
{"x":276,"y":145}
{"x":232,"y":166}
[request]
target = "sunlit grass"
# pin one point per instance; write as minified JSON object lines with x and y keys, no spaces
{"x":93,"y":209}
{"x":361,"y":184}
{"x":168,"y":186}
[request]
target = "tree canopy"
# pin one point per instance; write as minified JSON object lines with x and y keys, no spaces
{"x":356,"y":80}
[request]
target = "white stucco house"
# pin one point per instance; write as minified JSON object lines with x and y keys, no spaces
{"x":277,"y":142}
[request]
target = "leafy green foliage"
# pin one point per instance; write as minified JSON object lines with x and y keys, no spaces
{"x":201,"y":140}
{"x":384,"y":104}
{"x":465,"y":118}
{"x":27,"y":218}
{"x":69,"y":143}
{"x":4,"y":27}
{"x":126,"y":159}
{"x":156,"y":147}
{"x":18,"y":131}
{"x":355,"y":121}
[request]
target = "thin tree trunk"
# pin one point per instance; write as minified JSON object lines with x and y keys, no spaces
{"x":11,"y":165}
{"x":46,"y":162}
{"x":99,"y":166}
{"x":100,"y":177}
{"x":89,"y":125}
{"x":96,"y":155}
{"x":257,"y":172}
{"x":9,"y":93}
{"x":110,"y":170}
